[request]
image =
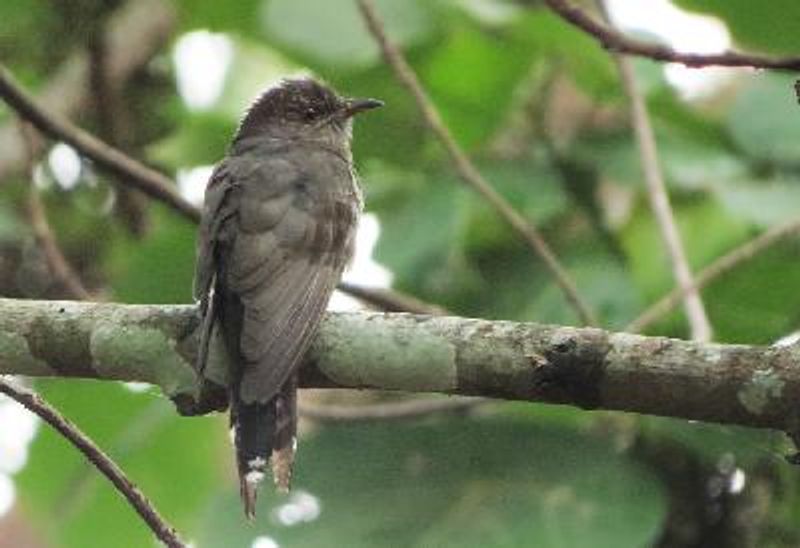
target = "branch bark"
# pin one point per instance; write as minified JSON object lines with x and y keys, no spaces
{"x":584,"y":367}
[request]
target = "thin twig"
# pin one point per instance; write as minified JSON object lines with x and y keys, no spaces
{"x":615,"y":41}
{"x":390,"y":300}
{"x":149,"y":181}
{"x":95,"y":455}
{"x":720,"y":266}
{"x":77,"y":488}
{"x":464,"y":167}
{"x":58,"y":264}
{"x":659,"y":199}
{"x":59,"y":267}
{"x":405,"y":410}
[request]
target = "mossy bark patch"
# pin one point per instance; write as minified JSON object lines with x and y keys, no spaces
{"x":765,"y":385}
{"x":406,"y":357}
{"x":143,"y":353}
{"x":14,"y":351}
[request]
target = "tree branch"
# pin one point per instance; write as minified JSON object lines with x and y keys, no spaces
{"x":100,"y":460}
{"x":659,"y":199}
{"x":583,"y":367}
{"x":465,"y":168}
{"x":615,"y":41}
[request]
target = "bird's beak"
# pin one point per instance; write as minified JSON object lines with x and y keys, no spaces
{"x":354,"y":106}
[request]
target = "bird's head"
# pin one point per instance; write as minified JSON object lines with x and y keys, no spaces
{"x":302,"y":108}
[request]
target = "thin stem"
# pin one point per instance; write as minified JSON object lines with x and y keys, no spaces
{"x":465,"y":168}
{"x":659,"y":199}
{"x":165,"y":532}
{"x":615,"y":41}
{"x":722,"y":265}
{"x":388,"y":300}
{"x":58,"y":264}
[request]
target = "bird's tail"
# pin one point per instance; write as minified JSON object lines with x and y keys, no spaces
{"x":264,"y":433}
{"x":285,"y":443}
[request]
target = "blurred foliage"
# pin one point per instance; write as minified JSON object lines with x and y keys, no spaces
{"x":537,"y":104}
{"x":458,"y":483}
{"x":770,"y":30}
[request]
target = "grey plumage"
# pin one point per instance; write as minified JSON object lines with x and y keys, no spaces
{"x":277,"y":230}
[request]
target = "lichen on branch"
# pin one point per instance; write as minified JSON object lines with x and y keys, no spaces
{"x":584,"y":367}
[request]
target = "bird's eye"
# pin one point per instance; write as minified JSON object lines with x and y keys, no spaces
{"x":310,"y":113}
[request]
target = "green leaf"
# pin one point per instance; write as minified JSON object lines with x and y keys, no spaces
{"x":764,"y":203}
{"x":395,"y":133}
{"x":12,"y":227}
{"x":489,"y":482}
{"x":159,"y":269}
{"x":765,"y":119}
{"x":588,"y":64}
{"x":695,"y":167}
{"x":418,"y":227}
{"x":758,"y":302}
{"x":533,"y":190}
{"x":445,"y":243}
{"x":600,"y":279}
{"x":201,"y":139}
{"x":239,"y":17}
{"x":710,"y":442}
{"x":333,"y":32}
{"x":706,"y":231}
{"x":693,"y":154}
{"x":173,"y":461}
{"x":472,"y":77}
{"x":22,"y":25}
{"x":768,"y":26}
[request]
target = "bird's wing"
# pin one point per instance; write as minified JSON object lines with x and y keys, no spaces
{"x":219,"y":207}
{"x":292,"y":243}
{"x":215,"y":226}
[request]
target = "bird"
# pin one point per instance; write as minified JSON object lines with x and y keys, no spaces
{"x":277,"y":230}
